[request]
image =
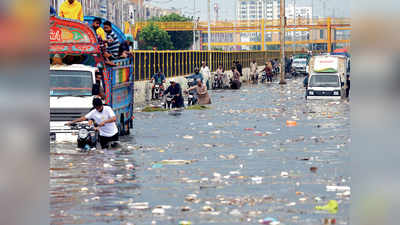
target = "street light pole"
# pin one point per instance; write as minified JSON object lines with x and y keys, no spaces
{"x":209,"y":28}
{"x":194,"y":24}
{"x":294,"y":32}
{"x":282,"y":36}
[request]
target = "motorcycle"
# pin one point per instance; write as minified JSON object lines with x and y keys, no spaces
{"x":217,"y":82}
{"x":87,"y":136}
{"x":157,"y":91}
{"x":170,"y":102}
{"x":263,"y":77}
{"x":192,"y":100}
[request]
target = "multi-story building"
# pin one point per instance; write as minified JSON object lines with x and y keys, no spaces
{"x":299,"y":15}
{"x":116,"y":11}
{"x":151,"y":11}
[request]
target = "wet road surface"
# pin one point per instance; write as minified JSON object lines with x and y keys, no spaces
{"x":240,"y":163}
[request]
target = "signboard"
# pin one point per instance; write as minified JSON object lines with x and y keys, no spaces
{"x":326,"y":65}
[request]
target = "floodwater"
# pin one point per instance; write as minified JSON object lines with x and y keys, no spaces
{"x":242,"y":163}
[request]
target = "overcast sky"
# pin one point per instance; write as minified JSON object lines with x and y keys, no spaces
{"x":341,"y":8}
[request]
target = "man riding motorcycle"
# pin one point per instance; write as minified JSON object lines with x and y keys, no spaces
{"x":196,"y":76}
{"x":159,"y":79}
{"x":175,"y":91}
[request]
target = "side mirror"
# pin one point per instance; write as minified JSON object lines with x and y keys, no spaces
{"x":96,"y":89}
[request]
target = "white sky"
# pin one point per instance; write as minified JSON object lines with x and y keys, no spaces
{"x":341,"y":7}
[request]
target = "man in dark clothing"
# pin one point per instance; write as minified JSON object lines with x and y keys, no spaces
{"x":239,"y":68}
{"x":175,"y":90}
{"x":348,"y":86}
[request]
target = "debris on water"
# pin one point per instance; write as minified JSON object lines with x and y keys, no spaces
{"x":191,"y":197}
{"x":269,"y":221}
{"x":175,"y":162}
{"x":185,"y":209}
{"x":328,"y":221}
{"x":184,"y":222}
{"x":210,"y":124}
{"x":291,"y":123}
{"x":284,"y":174}
{"x":139,"y":205}
{"x":313,"y":169}
{"x":331,"y":207}
{"x":84,"y":189}
{"x":337,"y":188}
{"x":188,"y":137}
{"x":208,"y":209}
{"x":106,"y":165}
{"x":159,"y":211}
{"x":235,"y":212}
{"x":248,"y":129}
{"x":257,"y":180}
{"x":215,"y":132}
{"x":129,"y":166}
{"x":157,"y":166}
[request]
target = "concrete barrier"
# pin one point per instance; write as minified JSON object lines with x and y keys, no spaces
{"x":143,"y":88}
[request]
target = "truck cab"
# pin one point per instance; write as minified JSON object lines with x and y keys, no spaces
{"x":327,"y":78}
{"x":71,"y":96}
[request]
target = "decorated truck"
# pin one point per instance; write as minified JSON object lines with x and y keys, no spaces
{"x":75,"y":59}
{"x":327,"y":79}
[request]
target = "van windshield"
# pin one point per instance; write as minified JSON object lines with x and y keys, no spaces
{"x":70,"y":83}
{"x":324,"y":81}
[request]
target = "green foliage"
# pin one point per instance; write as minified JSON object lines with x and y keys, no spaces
{"x":181,"y":40}
{"x":152,"y":36}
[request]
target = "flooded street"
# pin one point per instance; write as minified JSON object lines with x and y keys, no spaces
{"x":239,"y":162}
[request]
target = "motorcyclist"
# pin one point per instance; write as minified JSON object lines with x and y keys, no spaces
{"x":175,"y":90}
{"x":196,"y":76}
{"x":158,"y":78}
{"x":235,"y":83}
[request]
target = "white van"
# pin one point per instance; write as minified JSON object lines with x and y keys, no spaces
{"x":70,"y":98}
{"x":327,"y":79}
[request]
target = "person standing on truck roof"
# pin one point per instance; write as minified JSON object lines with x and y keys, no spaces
{"x":98,"y":29}
{"x":105,"y":118}
{"x":71,"y":9}
{"x":112,"y":40}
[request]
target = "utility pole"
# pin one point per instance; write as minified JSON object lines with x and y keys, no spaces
{"x":209,"y":25}
{"x":194,"y":25}
{"x":294,"y":32}
{"x":282,"y":36}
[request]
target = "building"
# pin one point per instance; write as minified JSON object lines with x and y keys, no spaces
{"x":299,"y":15}
{"x":116,"y":11}
{"x":151,"y":11}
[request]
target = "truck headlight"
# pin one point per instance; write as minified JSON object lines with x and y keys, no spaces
{"x":83,"y":133}
{"x":311,"y":92}
{"x":336,"y":93}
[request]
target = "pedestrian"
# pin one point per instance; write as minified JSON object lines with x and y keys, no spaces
{"x":239,"y":68}
{"x":206,"y":72}
{"x":96,"y":25}
{"x":105,"y":118}
{"x":235,"y":83}
{"x":268,"y":71}
{"x":347,"y":86}
{"x":112,"y":40}
{"x":71,"y":9}
{"x":253,"y":71}
{"x":202,"y":94}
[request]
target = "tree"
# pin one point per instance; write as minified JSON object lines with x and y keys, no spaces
{"x":182,"y":40}
{"x":153,"y":37}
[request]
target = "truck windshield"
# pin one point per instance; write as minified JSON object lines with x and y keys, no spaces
{"x":300,"y":62}
{"x":70,"y":83}
{"x":324,"y":81}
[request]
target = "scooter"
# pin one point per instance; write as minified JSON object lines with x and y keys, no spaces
{"x":87,"y":136}
{"x":217,"y":82}
{"x":263,"y":77}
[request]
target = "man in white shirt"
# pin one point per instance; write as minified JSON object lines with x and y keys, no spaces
{"x":105,"y":119}
{"x":205,"y":71}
